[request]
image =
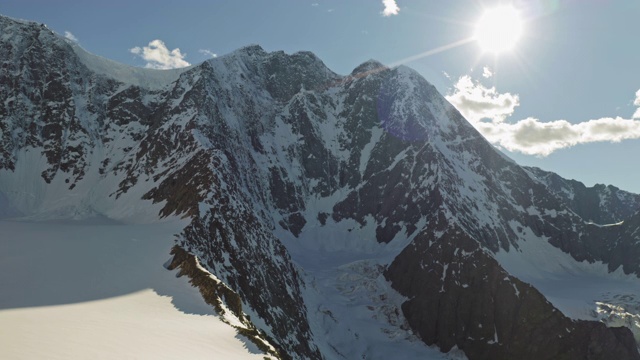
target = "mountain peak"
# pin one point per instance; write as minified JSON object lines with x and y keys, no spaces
{"x":252,"y":49}
{"x":9,"y":19}
{"x":16,"y":27}
{"x":368,"y":67}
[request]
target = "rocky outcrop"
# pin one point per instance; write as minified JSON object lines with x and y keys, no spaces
{"x":247,"y":257}
{"x":460,"y":296}
{"x":220,"y":296}
{"x":599,"y":204}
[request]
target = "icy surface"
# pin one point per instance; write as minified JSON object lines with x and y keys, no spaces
{"x":356,"y":314}
{"x":7,"y":210}
{"x":74,"y":290}
{"x":353,"y":311}
{"x":622,"y":309}
{"x":25,"y":192}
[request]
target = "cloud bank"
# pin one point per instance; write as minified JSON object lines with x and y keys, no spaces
{"x":390,"y":8}
{"x":487,"y":110}
{"x":158,"y":56}
{"x":533,"y":137}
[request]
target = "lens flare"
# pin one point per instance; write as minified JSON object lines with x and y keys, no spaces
{"x":499,"y":29}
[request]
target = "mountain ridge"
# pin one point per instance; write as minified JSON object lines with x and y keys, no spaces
{"x":273,"y":156}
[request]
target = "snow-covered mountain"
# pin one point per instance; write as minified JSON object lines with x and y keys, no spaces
{"x":356,"y":216}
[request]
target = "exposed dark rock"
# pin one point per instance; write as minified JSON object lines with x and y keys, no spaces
{"x":216,"y":294}
{"x":599,"y":204}
{"x":258,"y":268}
{"x":460,"y":296}
{"x":184,"y":188}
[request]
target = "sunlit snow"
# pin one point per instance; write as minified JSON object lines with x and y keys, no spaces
{"x":73,"y":290}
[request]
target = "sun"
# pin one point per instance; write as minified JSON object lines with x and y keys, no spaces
{"x":499,"y":29}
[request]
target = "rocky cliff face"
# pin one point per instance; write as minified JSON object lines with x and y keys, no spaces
{"x":600,"y":204}
{"x":311,"y":195}
{"x":460,"y":296}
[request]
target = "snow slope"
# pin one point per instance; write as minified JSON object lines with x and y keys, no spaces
{"x":82,"y":290}
{"x":149,"y":78}
{"x":581,"y":290}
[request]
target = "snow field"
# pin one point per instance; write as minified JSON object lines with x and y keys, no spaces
{"x":76,"y":290}
{"x":580,"y":290}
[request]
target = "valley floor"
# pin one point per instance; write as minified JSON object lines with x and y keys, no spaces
{"x":97,"y":289}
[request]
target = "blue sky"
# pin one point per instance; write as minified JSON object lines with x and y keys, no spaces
{"x":557,"y":101}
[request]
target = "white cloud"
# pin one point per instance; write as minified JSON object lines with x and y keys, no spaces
{"x":636,"y":102}
{"x":486,"y":72}
{"x":158,"y":56}
{"x":487,"y":110}
{"x":208,"y":53}
{"x":390,"y":8}
{"x":70,"y":36}
{"x":477,"y":102}
{"x":315,"y":4}
{"x":533,"y":137}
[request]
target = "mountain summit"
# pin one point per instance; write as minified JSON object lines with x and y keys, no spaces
{"x":355,"y":216}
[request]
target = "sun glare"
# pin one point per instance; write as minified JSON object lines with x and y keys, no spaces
{"x":499,"y":29}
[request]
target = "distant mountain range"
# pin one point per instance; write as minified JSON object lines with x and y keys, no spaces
{"x":356,"y":216}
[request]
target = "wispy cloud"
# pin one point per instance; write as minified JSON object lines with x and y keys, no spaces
{"x":207,"y":52}
{"x":70,"y":36}
{"x":315,"y":4}
{"x":487,"y":110}
{"x":158,"y":56}
{"x":390,"y":8}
